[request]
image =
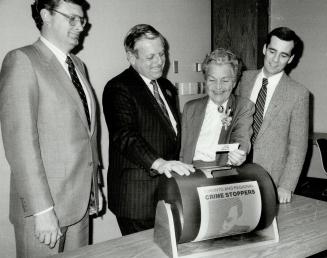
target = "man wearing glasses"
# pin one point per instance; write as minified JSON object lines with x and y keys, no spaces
{"x":47,"y":114}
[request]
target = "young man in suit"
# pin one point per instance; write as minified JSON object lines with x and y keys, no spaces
{"x":219,"y":118}
{"x":280,"y":126}
{"x":47,"y":113}
{"x":144,"y":131}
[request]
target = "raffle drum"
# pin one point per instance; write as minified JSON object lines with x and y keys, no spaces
{"x":214,"y":202}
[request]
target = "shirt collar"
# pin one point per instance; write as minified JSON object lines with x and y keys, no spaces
{"x":272,"y":79}
{"x":145,"y":79}
{"x":56,"y":51}
{"x":213,"y":106}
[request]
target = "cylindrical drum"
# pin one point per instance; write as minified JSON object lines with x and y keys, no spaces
{"x":234,"y":201}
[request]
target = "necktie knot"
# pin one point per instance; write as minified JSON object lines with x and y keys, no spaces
{"x":69,"y":61}
{"x":154,"y":84}
{"x":264,"y":82}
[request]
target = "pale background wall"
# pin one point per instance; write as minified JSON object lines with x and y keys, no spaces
{"x":186,"y":25}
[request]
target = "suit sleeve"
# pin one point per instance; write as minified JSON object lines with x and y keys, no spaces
{"x":245,"y":85}
{"x":298,"y":142}
{"x":19,"y":114}
{"x":239,"y":90}
{"x":242,"y":131}
{"x":120,"y":111}
{"x":184,"y":132}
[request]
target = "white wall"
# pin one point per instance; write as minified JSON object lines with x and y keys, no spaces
{"x":308,"y":19}
{"x":16,"y":29}
{"x":186,"y":25}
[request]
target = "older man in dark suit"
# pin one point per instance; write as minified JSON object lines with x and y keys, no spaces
{"x":144,"y":130}
{"x":47,"y":112}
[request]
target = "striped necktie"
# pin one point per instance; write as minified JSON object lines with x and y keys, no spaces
{"x":259,"y":109}
{"x":159,"y":99}
{"x":79,"y":88}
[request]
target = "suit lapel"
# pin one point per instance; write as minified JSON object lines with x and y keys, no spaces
{"x":90,"y":93}
{"x":146,"y":95}
{"x":169,"y":97}
{"x":197,"y":119}
{"x":224,"y":133}
{"x":250,"y":80}
{"x":58,"y":76}
{"x":275,"y":105}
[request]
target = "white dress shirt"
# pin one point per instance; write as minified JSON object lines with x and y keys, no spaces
{"x":61,"y":56}
{"x":206,"y":145}
{"x":150,"y":86}
{"x":272,"y":84}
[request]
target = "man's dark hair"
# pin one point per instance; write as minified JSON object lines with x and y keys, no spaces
{"x":38,"y":5}
{"x":285,"y":33}
{"x":141,"y":31}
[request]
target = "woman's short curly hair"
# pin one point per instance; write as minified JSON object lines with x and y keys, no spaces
{"x":222,"y":56}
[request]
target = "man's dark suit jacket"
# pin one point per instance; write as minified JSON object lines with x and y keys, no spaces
{"x":139,"y":133}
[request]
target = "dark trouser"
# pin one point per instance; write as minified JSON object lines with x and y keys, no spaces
{"x":130,"y":226}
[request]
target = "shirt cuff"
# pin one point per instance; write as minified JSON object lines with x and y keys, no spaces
{"x":154,"y":167}
{"x":44,"y":211}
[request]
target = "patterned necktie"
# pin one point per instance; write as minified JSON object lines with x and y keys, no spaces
{"x":259,"y":108}
{"x":79,"y":88}
{"x":158,"y":99}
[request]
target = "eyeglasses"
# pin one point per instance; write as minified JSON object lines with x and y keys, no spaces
{"x":73,"y":19}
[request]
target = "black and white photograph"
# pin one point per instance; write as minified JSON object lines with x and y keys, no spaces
{"x":163,"y":128}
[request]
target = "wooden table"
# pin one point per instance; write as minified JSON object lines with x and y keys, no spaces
{"x":302,"y":228}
